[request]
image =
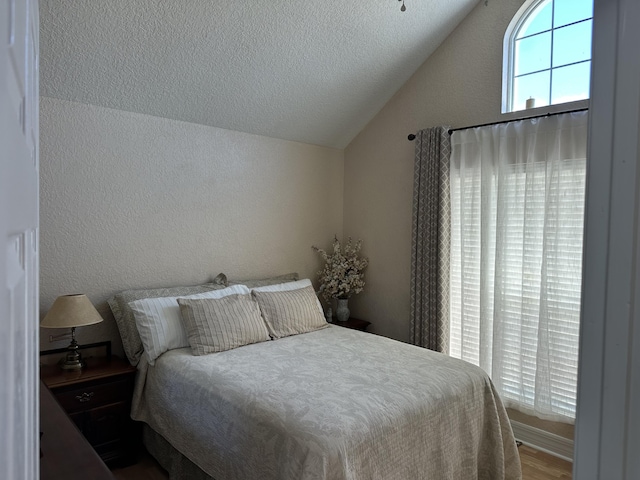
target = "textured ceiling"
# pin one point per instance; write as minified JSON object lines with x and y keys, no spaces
{"x":312,"y":71}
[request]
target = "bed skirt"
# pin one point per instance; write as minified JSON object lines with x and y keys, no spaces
{"x":177,"y":465}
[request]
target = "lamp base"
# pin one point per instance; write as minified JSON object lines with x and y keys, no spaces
{"x":70,"y":362}
{"x":73,"y":359}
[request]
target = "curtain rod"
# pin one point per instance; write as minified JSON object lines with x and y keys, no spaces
{"x":412,"y":136}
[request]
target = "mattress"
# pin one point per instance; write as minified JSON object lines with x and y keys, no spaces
{"x":333,"y":404}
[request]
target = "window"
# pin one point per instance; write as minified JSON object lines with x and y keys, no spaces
{"x":547,"y":54}
{"x":517,"y":216}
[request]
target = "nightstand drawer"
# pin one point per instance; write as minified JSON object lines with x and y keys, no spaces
{"x":87,"y":397}
{"x":106,"y":424}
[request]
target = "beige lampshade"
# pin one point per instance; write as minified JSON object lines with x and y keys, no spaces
{"x":71,"y":311}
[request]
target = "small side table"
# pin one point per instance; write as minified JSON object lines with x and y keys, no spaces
{"x":98,"y":400}
{"x":354,"y":323}
{"x":64,"y":451}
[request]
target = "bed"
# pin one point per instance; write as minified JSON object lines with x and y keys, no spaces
{"x":327,"y":404}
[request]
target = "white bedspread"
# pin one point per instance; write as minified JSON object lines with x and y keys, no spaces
{"x":334,"y":404}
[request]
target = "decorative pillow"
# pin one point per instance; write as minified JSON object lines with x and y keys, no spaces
{"x":159,"y":324}
{"x":124,"y":316}
{"x":289,"y":277}
{"x":290,"y":312}
{"x":216,"y":325}
{"x":281,"y":287}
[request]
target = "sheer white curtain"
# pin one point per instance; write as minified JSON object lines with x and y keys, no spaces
{"x":517,"y":209}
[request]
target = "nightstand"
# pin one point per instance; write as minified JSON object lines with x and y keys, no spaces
{"x":98,"y":400}
{"x":354,"y":323}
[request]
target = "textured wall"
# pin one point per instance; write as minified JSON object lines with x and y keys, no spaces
{"x":129,"y":201}
{"x":314,"y":71}
{"x":460,"y":84}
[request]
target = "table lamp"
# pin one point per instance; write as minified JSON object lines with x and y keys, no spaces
{"x":71,"y":311}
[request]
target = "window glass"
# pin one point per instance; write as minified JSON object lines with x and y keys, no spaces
{"x":570,"y":11}
{"x":570,"y":83}
{"x":531,"y":86}
{"x":538,"y":21}
{"x":572,"y":44}
{"x":533,"y":53}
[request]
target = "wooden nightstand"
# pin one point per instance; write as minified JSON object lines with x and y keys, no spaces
{"x":354,"y":323}
{"x":98,"y":399}
{"x":58,"y":438}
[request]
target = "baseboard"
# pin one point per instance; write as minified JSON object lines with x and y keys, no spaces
{"x":544,"y":441}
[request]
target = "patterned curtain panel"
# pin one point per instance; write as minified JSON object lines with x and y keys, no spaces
{"x":430,"y":245}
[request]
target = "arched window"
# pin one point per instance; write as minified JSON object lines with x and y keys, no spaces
{"x":547,"y":54}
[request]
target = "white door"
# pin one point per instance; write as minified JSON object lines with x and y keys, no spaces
{"x":19,"y":419}
{"x":608,"y":416}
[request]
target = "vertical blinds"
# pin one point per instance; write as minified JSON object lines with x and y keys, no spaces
{"x":517,"y":206}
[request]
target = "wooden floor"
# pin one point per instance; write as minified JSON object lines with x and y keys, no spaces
{"x":539,"y":465}
{"x":535,"y":466}
{"x":146,"y":469}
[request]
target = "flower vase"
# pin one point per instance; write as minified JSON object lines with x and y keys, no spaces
{"x":342,"y":312}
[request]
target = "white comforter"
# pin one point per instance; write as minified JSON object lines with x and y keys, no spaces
{"x":334,"y":404}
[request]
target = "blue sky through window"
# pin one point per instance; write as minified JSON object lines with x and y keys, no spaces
{"x":552,"y":54}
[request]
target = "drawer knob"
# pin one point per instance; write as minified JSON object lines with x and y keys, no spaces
{"x":85,"y":397}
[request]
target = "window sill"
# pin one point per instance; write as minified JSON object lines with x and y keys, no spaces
{"x":549,"y":109}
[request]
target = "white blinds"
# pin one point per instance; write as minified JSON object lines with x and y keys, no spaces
{"x":517,"y":207}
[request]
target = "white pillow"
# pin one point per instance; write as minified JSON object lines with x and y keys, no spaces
{"x":159,"y":322}
{"x":284,"y":287}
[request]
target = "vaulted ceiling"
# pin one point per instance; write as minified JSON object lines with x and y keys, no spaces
{"x":312,"y":71}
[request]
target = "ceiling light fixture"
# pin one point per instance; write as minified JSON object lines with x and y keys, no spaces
{"x":402,"y":8}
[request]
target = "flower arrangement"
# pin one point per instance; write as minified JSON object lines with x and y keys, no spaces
{"x":343,"y":272}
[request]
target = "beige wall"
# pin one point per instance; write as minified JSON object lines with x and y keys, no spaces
{"x":130,"y":201}
{"x":459,"y":85}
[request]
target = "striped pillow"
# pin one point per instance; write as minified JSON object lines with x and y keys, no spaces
{"x":281,"y":287}
{"x":290,"y":312}
{"x":216,"y":325}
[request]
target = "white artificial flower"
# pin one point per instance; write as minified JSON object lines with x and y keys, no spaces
{"x":343,"y":272}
